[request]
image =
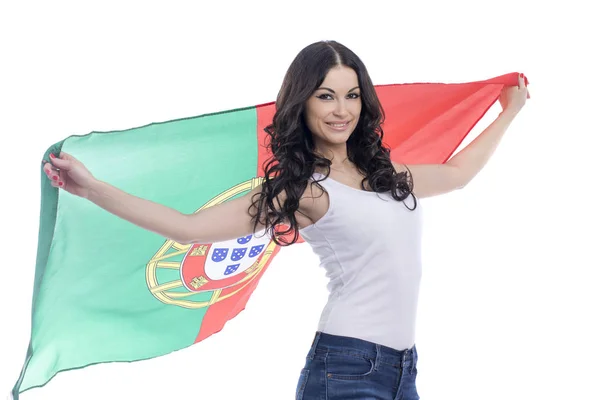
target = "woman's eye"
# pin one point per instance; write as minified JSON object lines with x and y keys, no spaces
{"x":324,"y":97}
{"x":354,"y":95}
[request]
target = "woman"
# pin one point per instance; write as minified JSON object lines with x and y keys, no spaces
{"x":330,"y":180}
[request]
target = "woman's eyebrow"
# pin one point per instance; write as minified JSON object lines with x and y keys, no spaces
{"x":332,"y":91}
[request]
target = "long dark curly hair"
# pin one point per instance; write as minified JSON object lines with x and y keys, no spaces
{"x":294,"y":159}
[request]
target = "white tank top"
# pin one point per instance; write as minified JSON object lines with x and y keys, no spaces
{"x":370,"y":247}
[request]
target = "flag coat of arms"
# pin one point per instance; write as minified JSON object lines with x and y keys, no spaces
{"x":134,"y":295}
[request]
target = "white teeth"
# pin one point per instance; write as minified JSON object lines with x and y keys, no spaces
{"x":338,"y":125}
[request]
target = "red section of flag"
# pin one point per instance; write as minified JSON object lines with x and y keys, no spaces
{"x":425,"y":123}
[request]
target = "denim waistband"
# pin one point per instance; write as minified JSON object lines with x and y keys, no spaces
{"x":327,"y":343}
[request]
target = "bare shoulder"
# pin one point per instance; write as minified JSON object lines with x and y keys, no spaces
{"x":432,"y":179}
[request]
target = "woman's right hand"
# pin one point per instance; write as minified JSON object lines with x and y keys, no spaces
{"x":68,"y":173}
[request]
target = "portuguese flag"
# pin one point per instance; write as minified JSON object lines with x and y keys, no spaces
{"x":134,"y":295}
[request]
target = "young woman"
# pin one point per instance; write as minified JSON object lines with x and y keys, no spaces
{"x":331,"y":180}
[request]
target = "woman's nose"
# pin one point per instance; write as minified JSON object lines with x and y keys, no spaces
{"x":340,"y":108}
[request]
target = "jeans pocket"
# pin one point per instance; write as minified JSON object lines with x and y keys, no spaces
{"x":302,"y":383}
{"x":348,"y":367}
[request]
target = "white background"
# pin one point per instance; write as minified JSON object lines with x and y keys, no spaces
{"x":509,"y":300}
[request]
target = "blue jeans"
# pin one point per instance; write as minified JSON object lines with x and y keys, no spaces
{"x":345,"y":368}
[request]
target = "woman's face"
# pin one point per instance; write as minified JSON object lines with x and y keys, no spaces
{"x":333,"y":110}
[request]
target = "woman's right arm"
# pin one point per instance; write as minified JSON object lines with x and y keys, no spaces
{"x":221,"y":222}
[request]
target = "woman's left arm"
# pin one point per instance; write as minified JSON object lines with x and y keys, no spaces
{"x":434,"y":179}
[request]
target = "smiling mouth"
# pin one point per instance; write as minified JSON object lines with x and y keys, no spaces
{"x":338,"y":126}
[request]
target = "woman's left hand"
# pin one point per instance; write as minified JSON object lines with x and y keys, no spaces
{"x":513,"y":98}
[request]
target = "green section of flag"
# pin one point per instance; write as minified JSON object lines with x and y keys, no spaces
{"x":91,"y":301}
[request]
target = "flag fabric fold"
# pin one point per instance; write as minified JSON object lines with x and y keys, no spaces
{"x":134,"y":295}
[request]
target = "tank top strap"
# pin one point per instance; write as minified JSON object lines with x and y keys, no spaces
{"x":329,"y":186}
